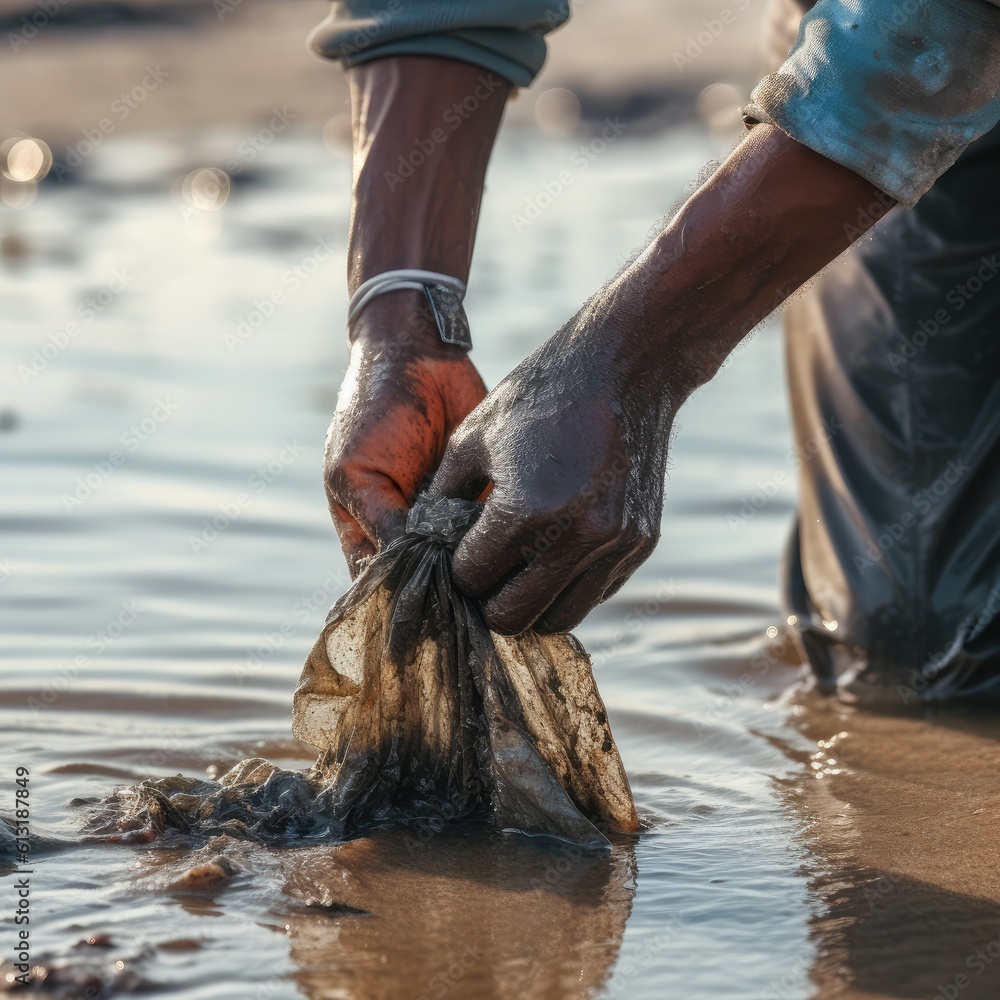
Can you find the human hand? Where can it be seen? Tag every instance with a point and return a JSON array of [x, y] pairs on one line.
[[575, 439], [575, 448], [403, 395]]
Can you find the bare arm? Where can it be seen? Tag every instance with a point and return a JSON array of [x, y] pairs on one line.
[[423, 132], [575, 439]]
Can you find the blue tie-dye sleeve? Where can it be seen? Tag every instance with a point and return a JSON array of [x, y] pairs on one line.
[[892, 89]]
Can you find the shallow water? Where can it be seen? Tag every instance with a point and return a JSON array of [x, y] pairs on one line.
[[140, 638]]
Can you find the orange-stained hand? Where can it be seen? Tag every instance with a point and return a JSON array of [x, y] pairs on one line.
[[403, 395], [406, 391]]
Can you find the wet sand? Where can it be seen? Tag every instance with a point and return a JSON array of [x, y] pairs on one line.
[[901, 814], [228, 66]]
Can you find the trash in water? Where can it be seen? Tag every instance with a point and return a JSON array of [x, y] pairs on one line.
[[420, 713], [418, 708]]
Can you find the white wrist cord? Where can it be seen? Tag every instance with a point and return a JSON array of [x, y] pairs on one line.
[[390, 281]]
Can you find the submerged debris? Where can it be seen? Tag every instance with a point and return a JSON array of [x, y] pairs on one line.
[[255, 800], [420, 712], [418, 706]]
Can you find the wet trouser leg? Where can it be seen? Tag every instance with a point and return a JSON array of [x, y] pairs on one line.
[[893, 568]]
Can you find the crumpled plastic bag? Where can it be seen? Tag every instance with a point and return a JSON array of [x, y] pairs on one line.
[[420, 711], [254, 800]]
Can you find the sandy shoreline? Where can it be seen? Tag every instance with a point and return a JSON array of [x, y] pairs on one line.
[[232, 65]]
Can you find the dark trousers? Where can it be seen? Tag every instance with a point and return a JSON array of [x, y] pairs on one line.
[[893, 569]]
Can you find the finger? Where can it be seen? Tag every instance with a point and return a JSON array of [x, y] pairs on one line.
[[578, 599], [523, 598], [596, 585], [461, 473], [498, 543], [616, 586], [357, 546], [367, 506]]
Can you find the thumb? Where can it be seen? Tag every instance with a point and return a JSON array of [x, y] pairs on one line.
[[462, 472]]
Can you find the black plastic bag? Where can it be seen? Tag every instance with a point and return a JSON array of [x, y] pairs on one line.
[[421, 711]]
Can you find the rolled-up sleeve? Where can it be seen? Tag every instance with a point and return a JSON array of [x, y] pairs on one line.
[[892, 89], [505, 37]]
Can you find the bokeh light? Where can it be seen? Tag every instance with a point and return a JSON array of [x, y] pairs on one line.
[[557, 111], [206, 189], [17, 194], [719, 106], [24, 159]]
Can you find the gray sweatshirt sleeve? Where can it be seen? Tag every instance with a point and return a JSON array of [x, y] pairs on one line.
[[892, 89], [505, 37]]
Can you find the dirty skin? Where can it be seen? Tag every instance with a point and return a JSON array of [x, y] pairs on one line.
[[418, 712]]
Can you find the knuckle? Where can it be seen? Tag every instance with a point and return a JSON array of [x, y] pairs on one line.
[[504, 620], [601, 528]]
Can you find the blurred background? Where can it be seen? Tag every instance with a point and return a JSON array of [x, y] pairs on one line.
[[227, 63], [174, 196]]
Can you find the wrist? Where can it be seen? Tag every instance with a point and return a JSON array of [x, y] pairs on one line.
[[768, 220], [622, 333], [400, 324]]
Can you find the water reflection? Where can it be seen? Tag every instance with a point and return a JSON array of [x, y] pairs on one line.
[[905, 859], [464, 912]]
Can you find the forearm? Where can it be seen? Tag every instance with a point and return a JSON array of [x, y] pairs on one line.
[[423, 132], [772, 216]]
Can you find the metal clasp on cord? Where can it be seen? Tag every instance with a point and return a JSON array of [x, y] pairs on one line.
[[444, 296]]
